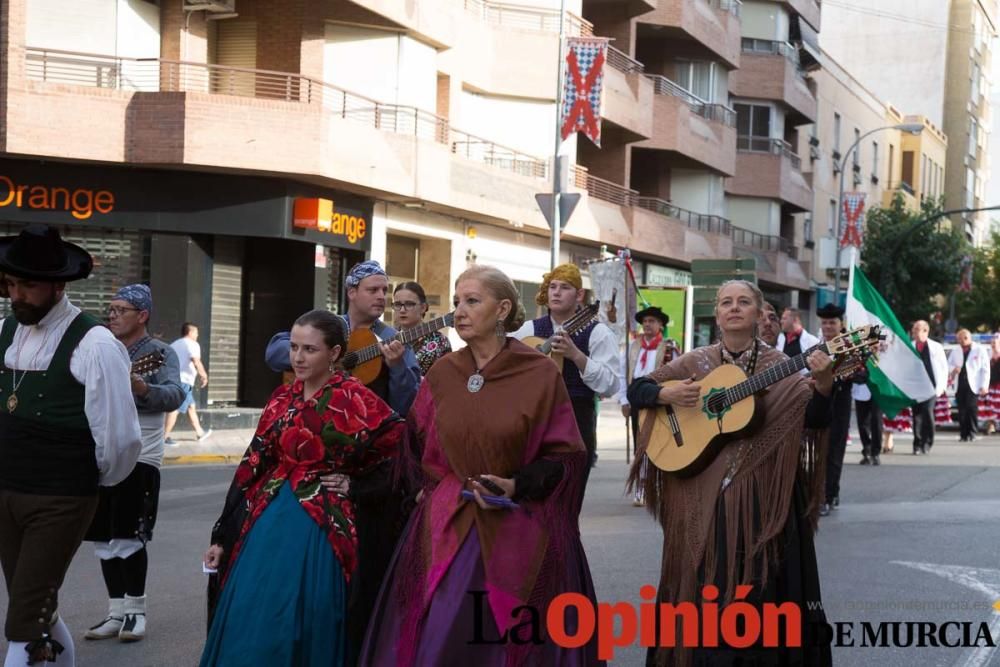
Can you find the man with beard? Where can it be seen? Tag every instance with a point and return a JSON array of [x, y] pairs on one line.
[[380, 514], [126, 512], [68, 425], [769, 326]]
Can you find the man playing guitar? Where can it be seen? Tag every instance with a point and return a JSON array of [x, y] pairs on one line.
[[592, 351]]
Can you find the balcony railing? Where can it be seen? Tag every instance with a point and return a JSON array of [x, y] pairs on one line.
[[751, 239], [528, 18], [775, 48], [904, 186], [157, 75], [750, 144], [732, 6], [607, 190], [718, 113], [703, 222], [622, 62]]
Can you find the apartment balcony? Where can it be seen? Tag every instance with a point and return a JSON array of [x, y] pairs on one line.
[[769, 168], [809, 10], [903, 189], [628, 9], [700, 132], [777, 258], [433, 20], [713, 24], [769, 70], [628, 96]]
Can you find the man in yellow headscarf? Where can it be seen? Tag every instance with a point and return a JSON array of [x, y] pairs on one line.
[[591, 353]]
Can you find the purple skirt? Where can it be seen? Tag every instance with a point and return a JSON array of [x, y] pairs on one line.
[[453, 616]]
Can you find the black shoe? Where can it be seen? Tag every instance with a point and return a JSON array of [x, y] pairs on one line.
[[824, 509], [875, 461], [865, 461]]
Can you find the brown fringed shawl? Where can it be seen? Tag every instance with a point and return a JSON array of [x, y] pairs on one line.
[[763, 465]]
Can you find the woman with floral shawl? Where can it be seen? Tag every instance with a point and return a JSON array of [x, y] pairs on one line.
[[466, 570], [748, 517], [286, 544]]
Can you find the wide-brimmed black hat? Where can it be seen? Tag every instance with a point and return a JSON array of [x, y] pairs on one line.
[[652, 311], [830, 311], [39, 253]]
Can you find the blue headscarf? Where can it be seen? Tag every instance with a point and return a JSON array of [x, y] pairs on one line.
[[363, 270], [138, 295]]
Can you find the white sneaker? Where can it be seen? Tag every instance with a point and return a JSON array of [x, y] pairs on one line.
[[110, 626], [204, 436], [134, 627]]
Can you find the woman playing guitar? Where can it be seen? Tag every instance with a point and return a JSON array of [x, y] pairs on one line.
[[745, 517]]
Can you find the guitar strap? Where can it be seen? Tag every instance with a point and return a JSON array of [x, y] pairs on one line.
[[727, 357], [134, 348]]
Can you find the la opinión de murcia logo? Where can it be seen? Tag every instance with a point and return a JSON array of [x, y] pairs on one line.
[[572, 621]]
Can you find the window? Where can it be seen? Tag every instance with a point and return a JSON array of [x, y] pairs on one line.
[[973, 136], [833, 218], [875, 160], [698, 78], [753, 127], [976, 76], [857, 150], [970, 188], [807, 227], [892, 162], [836, 132], [924, 176]]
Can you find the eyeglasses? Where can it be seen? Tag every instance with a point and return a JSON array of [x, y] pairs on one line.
[[404, 305], [118, 311]]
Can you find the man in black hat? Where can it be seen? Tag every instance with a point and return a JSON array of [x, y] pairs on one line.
[[68, 425], [650, 351], [831, 325]]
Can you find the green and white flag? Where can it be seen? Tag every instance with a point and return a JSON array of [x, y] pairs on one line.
[[899, 379]]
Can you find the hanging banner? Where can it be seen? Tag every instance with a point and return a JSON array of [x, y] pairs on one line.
[[965, 281], [582, 83], [854, 219], [608, 279]]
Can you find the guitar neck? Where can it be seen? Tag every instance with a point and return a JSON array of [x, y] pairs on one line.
[[580, 319], [765, 379], [405, 337]]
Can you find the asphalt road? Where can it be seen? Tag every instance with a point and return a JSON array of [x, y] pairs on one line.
[[915, 540]]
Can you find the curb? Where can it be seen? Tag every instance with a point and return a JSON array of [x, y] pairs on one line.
[[194, 459]]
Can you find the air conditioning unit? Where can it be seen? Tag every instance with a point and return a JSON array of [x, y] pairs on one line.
[[213, 6], [814, 153]]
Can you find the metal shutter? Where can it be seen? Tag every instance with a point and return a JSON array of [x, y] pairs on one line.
[[227, 295], [333, 292], [120, 258], [235, 46]]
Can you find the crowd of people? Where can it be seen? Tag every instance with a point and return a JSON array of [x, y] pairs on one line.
[[364, 515]]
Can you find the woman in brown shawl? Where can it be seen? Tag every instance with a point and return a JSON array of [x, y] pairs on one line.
[[467, 574], [747, 518]]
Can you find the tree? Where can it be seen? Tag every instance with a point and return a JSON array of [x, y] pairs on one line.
[[926, 264], [980, 308]]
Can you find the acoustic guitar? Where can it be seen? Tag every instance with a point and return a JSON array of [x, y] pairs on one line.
[[364, 348], [580, 320], [685, 440], [148, 364]]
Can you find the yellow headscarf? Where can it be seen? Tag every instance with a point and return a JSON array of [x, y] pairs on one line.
[[568, 273]]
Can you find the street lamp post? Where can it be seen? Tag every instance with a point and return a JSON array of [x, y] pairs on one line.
[[912, 128]]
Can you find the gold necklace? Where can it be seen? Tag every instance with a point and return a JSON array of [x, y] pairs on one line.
[[15, 383]]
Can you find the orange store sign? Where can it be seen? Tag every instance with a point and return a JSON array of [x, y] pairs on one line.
[[81, 203], [322, 215]]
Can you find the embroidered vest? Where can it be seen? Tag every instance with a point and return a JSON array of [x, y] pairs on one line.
[[571, 374]]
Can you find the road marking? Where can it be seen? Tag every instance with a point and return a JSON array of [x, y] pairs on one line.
[[980, 579]]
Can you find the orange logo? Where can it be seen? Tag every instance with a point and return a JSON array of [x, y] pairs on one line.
[[322, 215], [80, 203]]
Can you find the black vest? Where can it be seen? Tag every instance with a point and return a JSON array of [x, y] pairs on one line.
[[925, 356], [571, 374], [46, 446]]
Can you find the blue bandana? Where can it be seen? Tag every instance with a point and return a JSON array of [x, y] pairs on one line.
[[138, 295], [363, 270]]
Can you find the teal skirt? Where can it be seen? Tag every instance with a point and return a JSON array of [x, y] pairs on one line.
[[284, 602]]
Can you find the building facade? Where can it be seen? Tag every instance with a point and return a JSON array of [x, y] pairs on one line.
[[932, 58], [240, 155]]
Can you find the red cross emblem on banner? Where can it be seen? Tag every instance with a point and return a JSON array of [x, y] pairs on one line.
[[854, 213], [582, 84]]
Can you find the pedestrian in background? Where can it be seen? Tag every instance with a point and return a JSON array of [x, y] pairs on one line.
[[989, 406], [935, 363], [970, 369], [189, 357], [409, 303]]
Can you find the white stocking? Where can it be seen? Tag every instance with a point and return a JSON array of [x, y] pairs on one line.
[[61, 634], [16, 655]]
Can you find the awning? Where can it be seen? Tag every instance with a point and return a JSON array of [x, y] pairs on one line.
[[805, 37]]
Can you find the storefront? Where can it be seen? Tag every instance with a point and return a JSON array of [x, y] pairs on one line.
[[241, 256]]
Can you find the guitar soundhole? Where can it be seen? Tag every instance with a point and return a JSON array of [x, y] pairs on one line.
[[717, 403]]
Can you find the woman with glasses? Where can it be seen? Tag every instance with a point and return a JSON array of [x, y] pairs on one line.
[[410, 305]]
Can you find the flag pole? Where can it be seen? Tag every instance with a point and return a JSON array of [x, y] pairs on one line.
[[557, 176]]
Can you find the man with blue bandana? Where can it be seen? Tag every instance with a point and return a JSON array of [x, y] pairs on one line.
[[379, 508], [126, 512]]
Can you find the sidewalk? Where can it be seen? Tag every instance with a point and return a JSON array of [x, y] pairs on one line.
[[228, 445]]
